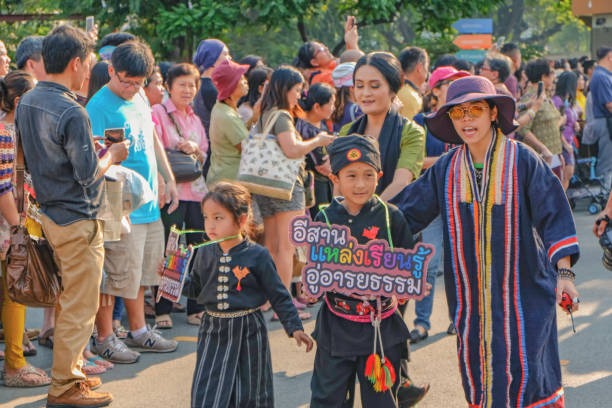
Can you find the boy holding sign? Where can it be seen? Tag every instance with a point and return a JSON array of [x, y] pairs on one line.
[[349, 328]]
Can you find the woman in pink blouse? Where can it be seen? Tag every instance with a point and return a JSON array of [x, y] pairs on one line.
[[179, 128]]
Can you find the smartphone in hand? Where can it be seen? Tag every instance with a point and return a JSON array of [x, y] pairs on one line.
[[540, 88], [114, 135]]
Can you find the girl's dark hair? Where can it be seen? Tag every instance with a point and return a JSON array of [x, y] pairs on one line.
[[183, 69], [255, 78], [251, 61], [566, 87], [536, 69], [386, 64], [342, 99], [283, 79], [98, 78], [320, 93], [237, 200], [12, 86], [305, 54]]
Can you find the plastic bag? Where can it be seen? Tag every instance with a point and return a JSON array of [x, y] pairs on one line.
[[136, 190]]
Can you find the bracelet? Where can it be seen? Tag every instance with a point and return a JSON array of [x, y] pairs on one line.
[[531, 113], [565, 273], [604, 218]]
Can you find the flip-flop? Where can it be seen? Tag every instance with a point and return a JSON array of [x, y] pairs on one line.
[[194, 319], [101, 362], [28, 348], [18, 378], [45, 339], [90, 368], [178, 308], [163, 322]]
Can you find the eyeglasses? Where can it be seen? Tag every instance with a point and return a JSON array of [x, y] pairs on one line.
[[127, 84], [458, 112]]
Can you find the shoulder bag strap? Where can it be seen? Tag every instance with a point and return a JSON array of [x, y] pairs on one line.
[[19, 172], [270, 123], [176, 126]]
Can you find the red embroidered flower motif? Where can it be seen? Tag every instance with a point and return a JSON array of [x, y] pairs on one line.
[[370, 233], [240, 273]]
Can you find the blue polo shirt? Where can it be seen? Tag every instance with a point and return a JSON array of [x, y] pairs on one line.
[[601, 88]]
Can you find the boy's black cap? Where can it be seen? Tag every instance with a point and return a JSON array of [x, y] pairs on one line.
[[353, 148]]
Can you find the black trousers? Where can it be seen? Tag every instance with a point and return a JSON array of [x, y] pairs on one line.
[[188, 215], [333, 381]]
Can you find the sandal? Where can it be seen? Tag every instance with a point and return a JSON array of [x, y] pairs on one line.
[[101, 362], [304, 315], [90, 368], [31, 333], [120, 331], [28, 348], [178, 308], [46, 339], [27, 377], [194, 319], [163, 322]]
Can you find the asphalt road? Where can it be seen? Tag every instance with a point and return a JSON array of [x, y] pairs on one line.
[[164, 380]]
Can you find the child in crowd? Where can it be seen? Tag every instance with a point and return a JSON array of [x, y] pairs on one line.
[[233, 277], [343, 341], [318, 106]]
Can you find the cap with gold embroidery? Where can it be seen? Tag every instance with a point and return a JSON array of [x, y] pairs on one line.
[[353, 148]]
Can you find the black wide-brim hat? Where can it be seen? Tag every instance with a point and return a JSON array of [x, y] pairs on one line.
[[469, 89]]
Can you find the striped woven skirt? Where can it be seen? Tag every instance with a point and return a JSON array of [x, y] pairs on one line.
[[233, 367]]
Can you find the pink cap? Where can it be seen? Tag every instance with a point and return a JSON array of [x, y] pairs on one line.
[[226, 76], [444, 73]]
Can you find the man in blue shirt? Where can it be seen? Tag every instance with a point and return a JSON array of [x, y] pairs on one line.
[[68, 180], [131, 264], [601, 84]]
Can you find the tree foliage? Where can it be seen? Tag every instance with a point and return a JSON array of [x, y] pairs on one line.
[[276, 28]]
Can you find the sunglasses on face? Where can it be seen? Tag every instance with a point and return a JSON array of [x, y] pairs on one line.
[[458, 112]]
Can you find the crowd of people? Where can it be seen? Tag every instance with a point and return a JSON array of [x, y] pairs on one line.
[[450, 150]]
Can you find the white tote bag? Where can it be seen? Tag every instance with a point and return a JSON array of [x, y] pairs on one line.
[[264, 167]]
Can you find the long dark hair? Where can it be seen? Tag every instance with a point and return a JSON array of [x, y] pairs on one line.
[[14, 85], [237, 200], [255, 78], [342, 99], [320, 93], [98, 78], [283, 79], [386, 63], [566, 87]]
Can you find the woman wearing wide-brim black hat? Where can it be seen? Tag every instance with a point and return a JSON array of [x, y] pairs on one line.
[[509, 244]]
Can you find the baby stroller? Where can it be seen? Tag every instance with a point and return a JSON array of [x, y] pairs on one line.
[[585, 185]]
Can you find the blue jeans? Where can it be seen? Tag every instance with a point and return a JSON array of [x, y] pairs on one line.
[[433, 235]]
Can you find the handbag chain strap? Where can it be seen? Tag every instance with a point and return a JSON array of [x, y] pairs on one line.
[[19, 173], [176, 126]]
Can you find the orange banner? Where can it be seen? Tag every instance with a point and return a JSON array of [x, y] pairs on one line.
[[474, 41]]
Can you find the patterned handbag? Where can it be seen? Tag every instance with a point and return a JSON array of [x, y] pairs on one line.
[[264, 167]]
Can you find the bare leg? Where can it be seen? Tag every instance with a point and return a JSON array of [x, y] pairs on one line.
[[104, 317], [135, 310]]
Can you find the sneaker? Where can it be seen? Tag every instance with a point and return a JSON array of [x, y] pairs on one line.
[[151, 342], [114, 350], [80, 395]]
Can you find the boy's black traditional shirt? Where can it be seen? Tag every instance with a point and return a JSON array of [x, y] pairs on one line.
[[343, 337]]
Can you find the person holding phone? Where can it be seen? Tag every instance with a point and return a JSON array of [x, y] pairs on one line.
[[542, 132]]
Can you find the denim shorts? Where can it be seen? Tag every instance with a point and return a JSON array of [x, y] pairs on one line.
[[269, 206]]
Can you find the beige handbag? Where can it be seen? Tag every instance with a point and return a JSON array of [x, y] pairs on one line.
[[264, 167]]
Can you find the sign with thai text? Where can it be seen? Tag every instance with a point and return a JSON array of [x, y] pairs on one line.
[[337, 262]]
